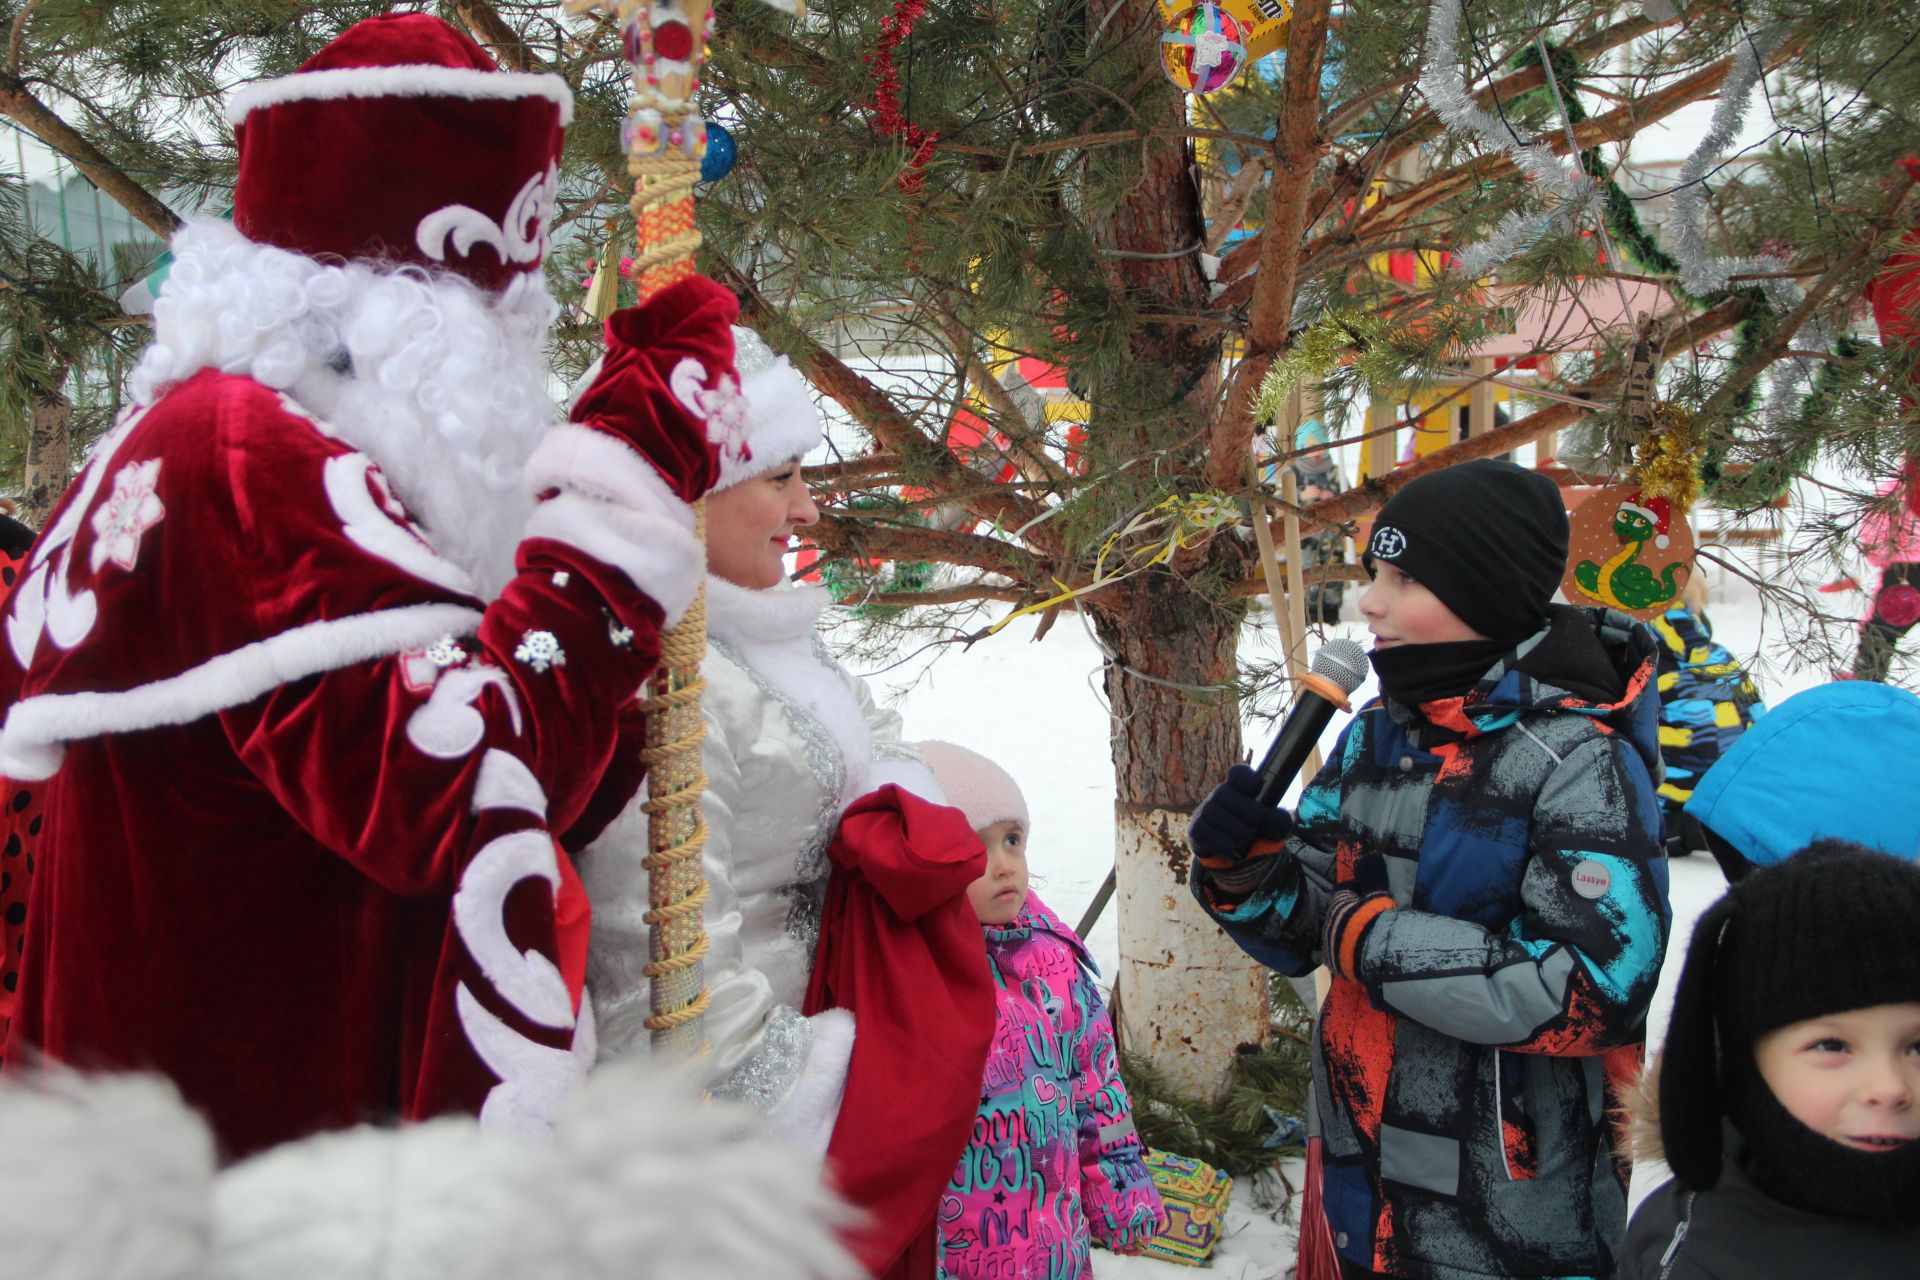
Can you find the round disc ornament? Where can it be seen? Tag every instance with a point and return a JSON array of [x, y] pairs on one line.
[[1204, 48], [1629, 552]]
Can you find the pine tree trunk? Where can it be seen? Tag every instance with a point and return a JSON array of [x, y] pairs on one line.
[[1188, 998], [49, 457]]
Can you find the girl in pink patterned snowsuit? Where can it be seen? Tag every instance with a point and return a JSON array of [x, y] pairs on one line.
[[1054, 1163]]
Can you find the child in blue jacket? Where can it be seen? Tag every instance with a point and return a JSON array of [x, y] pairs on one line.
[[1478, 864]]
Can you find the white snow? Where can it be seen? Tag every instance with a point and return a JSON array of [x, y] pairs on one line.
[[1037, 709]]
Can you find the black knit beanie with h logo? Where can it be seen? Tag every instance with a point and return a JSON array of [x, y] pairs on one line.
[[1487, 537]]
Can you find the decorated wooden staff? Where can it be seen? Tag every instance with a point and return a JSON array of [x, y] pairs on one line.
[[665, 140]]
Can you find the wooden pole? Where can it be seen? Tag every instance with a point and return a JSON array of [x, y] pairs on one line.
[[1480, 398], [1296, 596], [1286, 597], [1381, 416]]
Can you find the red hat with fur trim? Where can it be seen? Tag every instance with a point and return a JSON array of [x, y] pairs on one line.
[[400, 141]]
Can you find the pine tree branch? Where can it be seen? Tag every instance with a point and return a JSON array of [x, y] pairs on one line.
[[845, 534], [1345, 115], [1088, 141], [1396, 210], [1778, 343], [1687, 331], [1298, 146], [893, 430], [1427, 125], [18, 104], [499, 39], [1026, 453], [831, 474]]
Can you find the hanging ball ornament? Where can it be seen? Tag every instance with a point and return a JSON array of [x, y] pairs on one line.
[[1204, 48], [1898, 605], [721, 150]]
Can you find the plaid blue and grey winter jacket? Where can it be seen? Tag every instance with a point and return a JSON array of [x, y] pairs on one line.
[[1463, 1077]]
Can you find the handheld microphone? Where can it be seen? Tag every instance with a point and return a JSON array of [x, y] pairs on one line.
[[1338, 669]]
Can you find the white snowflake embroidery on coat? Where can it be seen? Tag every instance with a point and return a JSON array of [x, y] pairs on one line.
[[540, 650], [129, 511]]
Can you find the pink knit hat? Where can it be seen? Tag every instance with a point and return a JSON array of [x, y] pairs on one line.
[[975, 785]]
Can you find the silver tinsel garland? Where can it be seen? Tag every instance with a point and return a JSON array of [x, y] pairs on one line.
[[1444, 85], [1702, 272]]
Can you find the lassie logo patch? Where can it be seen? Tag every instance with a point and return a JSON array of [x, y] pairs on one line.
[[1591, 879]]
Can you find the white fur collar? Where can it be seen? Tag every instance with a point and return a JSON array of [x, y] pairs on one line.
[[774, 632], [743, 616]]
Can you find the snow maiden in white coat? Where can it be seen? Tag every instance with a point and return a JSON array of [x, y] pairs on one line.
[[792, 740]]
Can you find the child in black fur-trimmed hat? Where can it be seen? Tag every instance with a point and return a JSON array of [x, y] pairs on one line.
[[1789, 1089]]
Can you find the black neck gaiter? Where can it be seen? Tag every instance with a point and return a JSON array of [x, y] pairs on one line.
[[1411, 674], [1808, 1170]]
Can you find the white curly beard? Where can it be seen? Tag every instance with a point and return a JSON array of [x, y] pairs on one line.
[[440, 384]]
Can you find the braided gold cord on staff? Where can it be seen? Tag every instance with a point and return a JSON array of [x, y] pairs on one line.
[[663, 210], [677, 834], [662, 207]]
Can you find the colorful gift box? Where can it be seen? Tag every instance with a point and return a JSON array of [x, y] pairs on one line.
[[1195, 1195]]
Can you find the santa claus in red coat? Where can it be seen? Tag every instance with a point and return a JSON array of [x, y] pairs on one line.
[[335, 642]]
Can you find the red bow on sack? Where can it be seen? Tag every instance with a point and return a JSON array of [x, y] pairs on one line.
[[666, 385], [901, 947]]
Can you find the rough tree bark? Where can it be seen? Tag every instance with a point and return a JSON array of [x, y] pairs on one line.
[[1188, 998], [49, 456]]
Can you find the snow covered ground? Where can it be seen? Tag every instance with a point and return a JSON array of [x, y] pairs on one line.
[[1037, 708]]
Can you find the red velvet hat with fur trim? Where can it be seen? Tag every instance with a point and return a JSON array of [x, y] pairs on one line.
[[401, 142]]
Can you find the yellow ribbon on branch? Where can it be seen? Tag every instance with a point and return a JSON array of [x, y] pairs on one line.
[[1171, 525]]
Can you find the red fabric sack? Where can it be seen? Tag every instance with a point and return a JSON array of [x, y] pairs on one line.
[[901, 948]]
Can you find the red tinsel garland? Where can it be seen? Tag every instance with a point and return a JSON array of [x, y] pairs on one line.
[[894, 28]]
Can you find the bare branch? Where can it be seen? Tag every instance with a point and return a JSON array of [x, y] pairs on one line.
[[1257, 585], [17, 103], [1026, 453], [19, 30], [841, 534], [962, 593], [1252, 169], [501, 40]]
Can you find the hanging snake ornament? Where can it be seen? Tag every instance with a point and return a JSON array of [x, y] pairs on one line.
[[664, 139]]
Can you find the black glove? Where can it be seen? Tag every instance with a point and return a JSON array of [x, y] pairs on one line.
[[1233, 835], [1356, 903]]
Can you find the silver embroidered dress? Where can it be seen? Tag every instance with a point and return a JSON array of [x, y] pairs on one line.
[[792, 739]]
